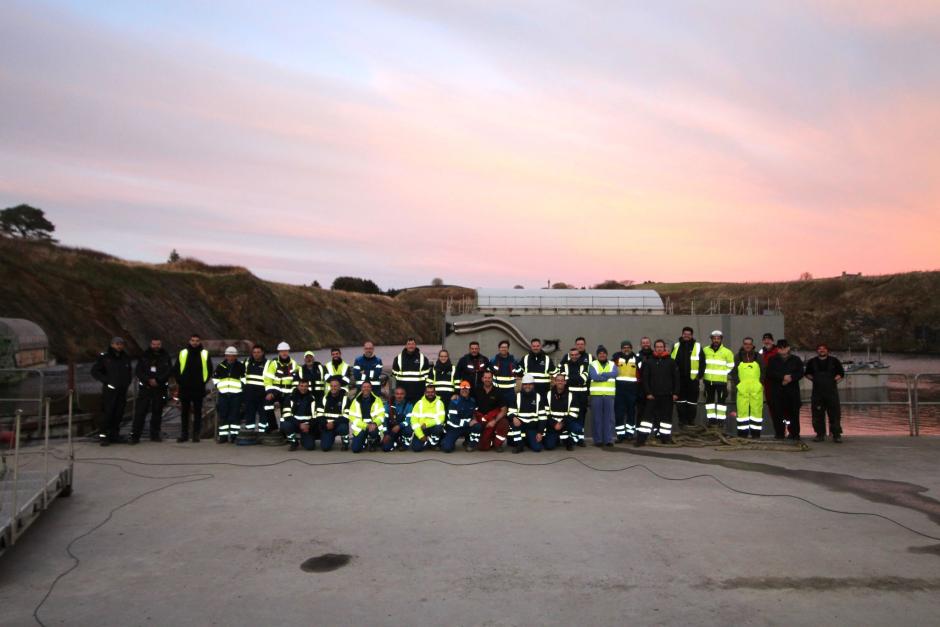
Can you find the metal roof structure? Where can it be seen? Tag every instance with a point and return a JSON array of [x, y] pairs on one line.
[[23, 334], [554, 301]]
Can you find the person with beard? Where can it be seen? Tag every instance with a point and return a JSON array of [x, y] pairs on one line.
[[527, 417], [191, 372], [410, 371], [646, 351], [332, 415], [575, 372], [442, 375], [687, 353], [767, 352], [313, 371], [719, 362], [748, 376], [602, 376], [153, 380], [491, 413], [398, 431], [562, 415], [301, 428], [366, 419], [625, 361], [785, 371], [336, 367], [113, 370], [825, 371], [661, 384], [470, 368], [253, 392], [427, 420], [539, 365]]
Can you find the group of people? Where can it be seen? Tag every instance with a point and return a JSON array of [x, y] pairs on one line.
[[487, 403]]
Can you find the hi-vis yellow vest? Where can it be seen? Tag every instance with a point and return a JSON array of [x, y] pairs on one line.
[[603, 388], [204, 354], [627, 372], [693, 365]]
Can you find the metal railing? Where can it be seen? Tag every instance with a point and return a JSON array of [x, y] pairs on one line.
[[848, 386], [917, 402]]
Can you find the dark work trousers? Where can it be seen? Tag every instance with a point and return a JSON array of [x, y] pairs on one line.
[[625, 410], [716, 408], [228, 412], [291, 430], [253, 410], [190, 404], [827, 402], [149, 400], [687, 405], [113, 403], [787, 418], [657, 418]]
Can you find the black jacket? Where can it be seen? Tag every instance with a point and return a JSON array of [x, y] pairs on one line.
[[778, 367], [192, 380], [471, 369], [660, 376], [303, 405], [684, 358], [154, 365], [113, 370], [823, 373]]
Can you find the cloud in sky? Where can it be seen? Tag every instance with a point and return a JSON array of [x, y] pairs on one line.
[[488, 143]]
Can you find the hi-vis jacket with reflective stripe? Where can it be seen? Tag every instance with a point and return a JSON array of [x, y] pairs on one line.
[[254, 377], [576, 373], [539, 366], [529, 407], [204, 357], [358, 422], [460, 412], [719, 362], [280, 375], [626, 367], [603, 378], [333, 408], [315, 374], [504, 371], [692, 360], [411, 368], [228, 377], [303, 406], [443, 376], [561, 406], [337, 370], [426, 414]]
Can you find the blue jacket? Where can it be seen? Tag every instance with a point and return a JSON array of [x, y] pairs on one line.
[[367, 369], [402, 414], [460, 411]]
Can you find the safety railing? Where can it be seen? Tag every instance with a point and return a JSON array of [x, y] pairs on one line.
[[918, 402], [858, 383]]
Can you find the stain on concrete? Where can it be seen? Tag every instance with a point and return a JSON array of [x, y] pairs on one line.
[[930, 549], [326, 562], [825, 584], [898, 493]]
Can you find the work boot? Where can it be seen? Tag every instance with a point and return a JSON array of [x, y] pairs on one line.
[[569, 446], [222, 440], [820, 438], [135, 439], [183, 438], [837, 439], [345, 446], [104, 442], [518, 449], [196, 439], [639, 442], [582, 443], [156, 437], [498, 449], [372, 446], [293, 447], [609, 444]]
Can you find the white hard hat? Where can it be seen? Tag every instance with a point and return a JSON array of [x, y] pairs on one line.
[[528, 379], [718, 333], [231, 350], [283, 346]]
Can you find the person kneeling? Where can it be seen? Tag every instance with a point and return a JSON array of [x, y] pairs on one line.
[[398, 431], [563, 424], [427, 420], [299, 428], [332, 416], [366, 419], [527, 417], [462, 422]]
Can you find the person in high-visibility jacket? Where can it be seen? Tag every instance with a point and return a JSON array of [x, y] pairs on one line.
[[301, 427], [332, 415], [719, 362], [336, 367], [537, 363], [228, 377], [443, 375], [527, 417], [368, 367], [503, 366], [562, 415], [410, 370], [460, 420], [314, 372], [280, 375], [191, 372], [427, 420], [366, 419], [253, 391], [748, 376], [687, 353], [398, 431], [575, 372], [603, 377], [625, 361]]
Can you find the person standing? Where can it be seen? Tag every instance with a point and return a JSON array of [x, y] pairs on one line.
[[336, 367], [504, 366], [539, 365], [825, 371], [333, 416], [460, 421], [443, 375], [314, 372], [368, 366], [662, 381], [719, 362], [767, 352], [470, 367], [646, 352], [575, 372], [153, 380], [603, 378], [625, 361], [748, 376], [191, 372], [491, 413], [562, 415], [410, 370], [253, 391], [228, 377], [113, 370], [687, 353], [584, 357], [785, 371], [280, 376]]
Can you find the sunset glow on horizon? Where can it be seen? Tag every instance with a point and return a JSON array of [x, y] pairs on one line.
[[489, 144]]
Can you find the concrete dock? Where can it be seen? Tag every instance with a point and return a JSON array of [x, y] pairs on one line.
[[544, 540]]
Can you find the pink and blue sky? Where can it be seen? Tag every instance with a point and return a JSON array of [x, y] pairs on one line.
[[487, 143]]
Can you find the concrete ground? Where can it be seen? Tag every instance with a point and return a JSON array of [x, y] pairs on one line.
[[486, 543]]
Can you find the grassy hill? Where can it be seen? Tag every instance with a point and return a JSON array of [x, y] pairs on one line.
[[81, 298]]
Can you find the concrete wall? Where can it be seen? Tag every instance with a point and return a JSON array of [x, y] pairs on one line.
[[610, 330]]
